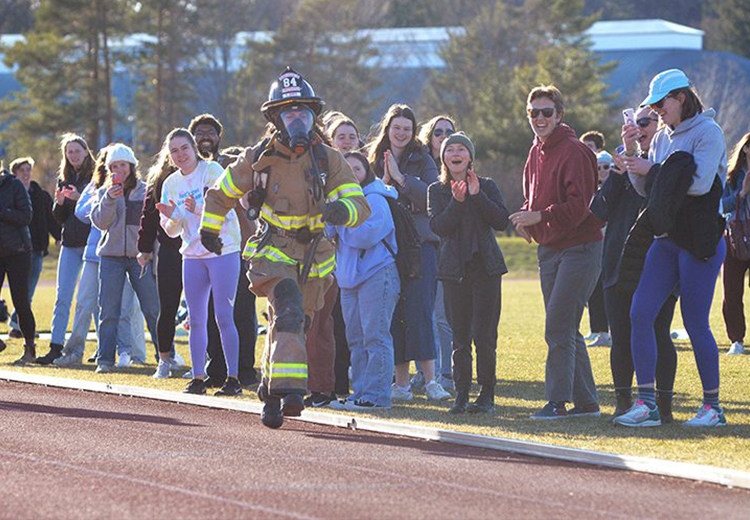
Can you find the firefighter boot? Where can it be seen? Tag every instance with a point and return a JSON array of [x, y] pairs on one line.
[[271, 415], [292, 405]]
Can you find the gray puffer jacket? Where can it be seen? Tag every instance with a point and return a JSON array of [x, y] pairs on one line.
[[118, 219]]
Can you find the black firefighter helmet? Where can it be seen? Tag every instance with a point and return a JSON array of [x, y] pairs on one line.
[[290, 88]]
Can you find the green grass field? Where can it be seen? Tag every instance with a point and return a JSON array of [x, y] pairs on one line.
[[521, 356]]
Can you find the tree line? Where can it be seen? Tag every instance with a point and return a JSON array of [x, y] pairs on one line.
[[71, 69]]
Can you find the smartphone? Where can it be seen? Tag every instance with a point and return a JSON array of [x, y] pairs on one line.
[[628, 116]]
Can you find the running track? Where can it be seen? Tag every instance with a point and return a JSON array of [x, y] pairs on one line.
[[73, 454]]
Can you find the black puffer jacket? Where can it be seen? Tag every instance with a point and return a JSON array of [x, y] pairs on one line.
[[74, 232], [43, 223], [465, 226], [15, 216]]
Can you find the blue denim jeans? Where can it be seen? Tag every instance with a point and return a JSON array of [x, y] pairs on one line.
[[368, 310], [129, 338], [37, 259], [87, 306], [68, 268], [112, 273]]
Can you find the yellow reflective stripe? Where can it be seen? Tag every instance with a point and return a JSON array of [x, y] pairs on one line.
[[352, 212], [228, 187], [345, 190], [292, 222], [289, 370], [322, 269], [212, 221], [273, 254]]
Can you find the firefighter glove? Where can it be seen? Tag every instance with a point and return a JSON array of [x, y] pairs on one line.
[[211, 241], [336, 213]]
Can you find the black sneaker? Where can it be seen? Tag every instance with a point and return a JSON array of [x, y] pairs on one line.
[[551, 411], [15, 334], [586, 410], [195, 386], [212, 382], [319, 399], [2, 345], [231, 387]]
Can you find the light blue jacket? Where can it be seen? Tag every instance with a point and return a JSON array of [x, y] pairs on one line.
[[702, 137], [360, 251], [83, 213]]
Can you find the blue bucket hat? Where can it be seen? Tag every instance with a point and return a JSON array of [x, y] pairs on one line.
[[664, 83]]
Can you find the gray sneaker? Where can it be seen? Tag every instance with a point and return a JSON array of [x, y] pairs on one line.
[[69, 360], [399, 394], [163, 370], [103, 369], [435, 392], [446, 381]]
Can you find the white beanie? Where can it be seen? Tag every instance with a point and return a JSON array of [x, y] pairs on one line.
[[120, 152]]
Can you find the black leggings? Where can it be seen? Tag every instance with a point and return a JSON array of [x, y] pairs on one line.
[[169, 285], [18, 269], [620, 356]]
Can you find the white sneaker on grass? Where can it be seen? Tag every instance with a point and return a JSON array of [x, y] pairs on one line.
[[435, 392], [707, 416], [163, 370], [736, 348], [639, 416], [401, 394], [124, 361]]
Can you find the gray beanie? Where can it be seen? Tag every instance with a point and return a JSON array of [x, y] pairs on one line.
[[457, 138]]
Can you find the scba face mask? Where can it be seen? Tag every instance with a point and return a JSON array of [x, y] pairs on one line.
[[298, 124]]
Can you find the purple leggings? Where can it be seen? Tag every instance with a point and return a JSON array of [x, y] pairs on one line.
[[201, 277], [669, 266]]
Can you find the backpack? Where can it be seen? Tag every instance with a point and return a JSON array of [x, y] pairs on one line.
[[409, 256]]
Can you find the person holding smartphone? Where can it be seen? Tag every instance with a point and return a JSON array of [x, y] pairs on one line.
[[76, 169], [116, 212]]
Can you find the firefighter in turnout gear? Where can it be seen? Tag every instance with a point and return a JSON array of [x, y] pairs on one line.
[[295, 184]]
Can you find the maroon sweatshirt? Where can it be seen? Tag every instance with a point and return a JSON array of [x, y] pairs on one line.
[[559, 180]]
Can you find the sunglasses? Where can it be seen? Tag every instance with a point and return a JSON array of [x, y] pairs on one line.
[[645, 121], [605, 166], [439, 131], [660, 103], [546, 112]]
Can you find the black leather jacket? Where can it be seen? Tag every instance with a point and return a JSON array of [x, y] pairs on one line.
[[453, 222], [15, 216]]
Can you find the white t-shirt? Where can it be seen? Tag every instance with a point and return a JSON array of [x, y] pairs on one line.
[[178, 187]]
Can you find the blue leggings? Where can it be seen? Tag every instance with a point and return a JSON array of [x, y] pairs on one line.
[[667, 267], [200, 278]]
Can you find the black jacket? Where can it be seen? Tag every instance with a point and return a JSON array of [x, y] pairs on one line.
[[693, 222], [15, 216], [617, 203], [74, 232], [466, 226], [43, 223]]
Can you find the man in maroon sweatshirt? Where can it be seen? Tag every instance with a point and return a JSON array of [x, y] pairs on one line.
[[560, 178]]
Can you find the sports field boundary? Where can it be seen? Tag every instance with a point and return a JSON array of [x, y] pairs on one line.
[[684, 470]]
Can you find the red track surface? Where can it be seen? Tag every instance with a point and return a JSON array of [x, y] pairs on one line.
[[70, 454]]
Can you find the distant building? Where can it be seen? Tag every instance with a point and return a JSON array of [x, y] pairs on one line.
[[641, 48]]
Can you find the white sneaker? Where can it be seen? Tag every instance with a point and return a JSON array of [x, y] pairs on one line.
[[163, 370], [435, 392], [736, 348], [707, 416], [103, 369], [178, 361], [639, 415], [603, 339], [124, 361], [68, 360], [591, 337], [401, 394]]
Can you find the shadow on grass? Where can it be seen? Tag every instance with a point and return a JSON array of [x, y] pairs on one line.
[[84, 413]]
